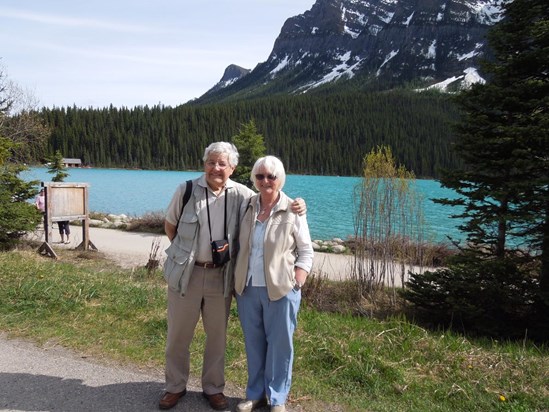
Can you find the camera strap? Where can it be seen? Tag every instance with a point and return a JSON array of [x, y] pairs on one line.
[[225, 217]]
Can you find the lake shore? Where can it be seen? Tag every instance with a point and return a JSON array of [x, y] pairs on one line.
[[330, 199]]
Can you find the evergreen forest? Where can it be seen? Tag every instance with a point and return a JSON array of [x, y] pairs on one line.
[[324, 134]]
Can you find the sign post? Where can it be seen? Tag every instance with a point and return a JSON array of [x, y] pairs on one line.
[[66, 201]]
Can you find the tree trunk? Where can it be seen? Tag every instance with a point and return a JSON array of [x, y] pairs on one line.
[[544, 275], [542, 306], [502, 229]]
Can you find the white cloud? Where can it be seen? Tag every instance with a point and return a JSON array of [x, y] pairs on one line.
[[67, 21]]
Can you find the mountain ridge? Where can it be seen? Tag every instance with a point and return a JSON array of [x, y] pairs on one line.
[[378, 43]]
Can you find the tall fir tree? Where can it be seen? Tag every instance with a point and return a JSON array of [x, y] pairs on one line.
[[503, 139], [251, 146]]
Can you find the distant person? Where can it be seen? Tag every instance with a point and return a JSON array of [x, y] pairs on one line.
[[273, 262], [40, 201], [200, 282], [64, 230]]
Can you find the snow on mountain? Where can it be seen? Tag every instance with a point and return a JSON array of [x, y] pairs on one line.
[[470, 76], [390, 42]]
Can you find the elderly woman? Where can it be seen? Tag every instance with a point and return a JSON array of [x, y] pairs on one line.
[[274, 260], [202, 212]]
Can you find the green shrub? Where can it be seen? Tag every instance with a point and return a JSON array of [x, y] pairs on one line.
[[17, 216], [494, 297]]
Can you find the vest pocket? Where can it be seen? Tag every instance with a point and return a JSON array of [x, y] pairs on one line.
[[176, 263], [187, 226]]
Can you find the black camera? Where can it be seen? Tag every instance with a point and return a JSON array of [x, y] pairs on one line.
[[220, 252]]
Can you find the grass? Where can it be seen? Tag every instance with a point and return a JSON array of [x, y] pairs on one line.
[[343, 362]]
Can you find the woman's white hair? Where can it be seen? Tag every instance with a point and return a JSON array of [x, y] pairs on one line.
[[223, 148], [272, 165]]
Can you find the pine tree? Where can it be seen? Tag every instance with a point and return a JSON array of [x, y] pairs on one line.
[[503, 139], [17, 216], [521, 76], [19, 136], [57, 167], [251, 146]]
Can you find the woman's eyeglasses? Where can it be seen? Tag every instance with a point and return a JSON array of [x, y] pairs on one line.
[[260, 177]]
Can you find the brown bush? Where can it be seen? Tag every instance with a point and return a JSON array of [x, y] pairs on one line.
[[152, 222]]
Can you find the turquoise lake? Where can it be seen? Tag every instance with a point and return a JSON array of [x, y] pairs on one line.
[[330, 208]]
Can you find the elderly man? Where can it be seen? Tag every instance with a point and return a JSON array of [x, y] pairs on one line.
[[200, 281]]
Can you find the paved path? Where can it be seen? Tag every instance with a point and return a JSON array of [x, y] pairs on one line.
[[56, 379]]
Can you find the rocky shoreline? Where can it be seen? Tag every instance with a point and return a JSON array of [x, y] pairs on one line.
[[110, 221]]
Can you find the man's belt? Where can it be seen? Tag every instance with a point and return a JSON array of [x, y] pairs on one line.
[[207, 265]]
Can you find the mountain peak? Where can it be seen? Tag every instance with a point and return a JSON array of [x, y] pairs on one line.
[[232, 74], [380, 42]]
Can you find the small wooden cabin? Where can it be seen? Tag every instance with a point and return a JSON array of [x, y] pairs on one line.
[[72, 162]]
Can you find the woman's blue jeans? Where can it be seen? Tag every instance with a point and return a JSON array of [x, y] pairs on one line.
[[268, 328]]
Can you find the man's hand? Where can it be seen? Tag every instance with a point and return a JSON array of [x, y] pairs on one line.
[[299, 206], [170, 230]]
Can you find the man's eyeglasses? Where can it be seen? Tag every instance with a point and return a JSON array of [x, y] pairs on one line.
[[220, 166], [260, 177]]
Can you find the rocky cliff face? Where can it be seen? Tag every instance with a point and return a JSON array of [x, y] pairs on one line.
[[383, 41]]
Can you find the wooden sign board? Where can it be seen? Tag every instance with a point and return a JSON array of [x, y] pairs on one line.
[[66, 202]]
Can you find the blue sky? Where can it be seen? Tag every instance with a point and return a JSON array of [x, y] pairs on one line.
[[134, 52]]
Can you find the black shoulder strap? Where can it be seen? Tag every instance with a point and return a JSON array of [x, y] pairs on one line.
[[208, 209], [186, 197]]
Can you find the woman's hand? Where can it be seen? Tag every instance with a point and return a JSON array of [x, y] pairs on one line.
[[300, 276]]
